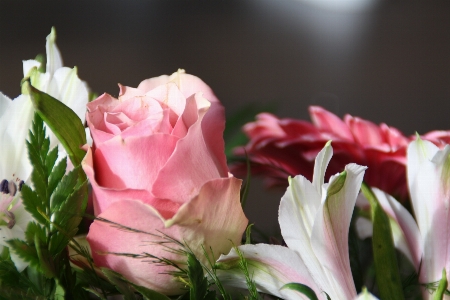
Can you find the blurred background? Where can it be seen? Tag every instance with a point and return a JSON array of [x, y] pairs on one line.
[[385, 61]]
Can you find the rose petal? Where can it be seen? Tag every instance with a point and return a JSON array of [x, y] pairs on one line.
[[214, 218], [187, 83], [104, 196], [191, 164], [195, 224], [106, 239]]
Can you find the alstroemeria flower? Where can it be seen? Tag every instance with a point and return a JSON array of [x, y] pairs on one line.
[[427, 243], [13, 219], [314, 219], [16, 115]]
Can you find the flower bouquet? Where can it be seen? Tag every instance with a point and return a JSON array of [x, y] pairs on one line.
[[131, 197]]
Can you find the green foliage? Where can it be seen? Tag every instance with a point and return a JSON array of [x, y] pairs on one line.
[[64, 123], [128, 289], [120, 283], [150, 294], [243, 266], [441, 289], [14, 284], [386, 267], [198, 284], [57, 203], [246, 188], [304, 289], [248, 234]]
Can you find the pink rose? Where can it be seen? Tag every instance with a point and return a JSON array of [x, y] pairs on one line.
[[158, 165], [279, 148]]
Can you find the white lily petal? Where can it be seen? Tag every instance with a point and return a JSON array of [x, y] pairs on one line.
[[330, 233], [28, 65], [271, 267], [14, 126], [298, 209], [423, 181], [69, 89], [5, 103], [54, 60], [320, 166], [429, 185]]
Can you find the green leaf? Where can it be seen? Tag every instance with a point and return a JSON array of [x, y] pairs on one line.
[[337, 184], [248, 233], [386, 267], [38, 146], [198, 282], [43, 60], [95, 292], [64, 188], [33, 204], [64, 123], [15, 284], [56, 175], [150, 294], [67, 217], [120, 283], [33, 230], [60, 293], [46, 260], [51, 158], [25, 251], [243, 266], [304, 289], [246, 187], [442, 287]]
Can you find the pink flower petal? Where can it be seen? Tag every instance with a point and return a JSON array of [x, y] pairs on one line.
[[190, 166], [214, 218], [106, 239], [119, 162], [104, 196], [328, 122], [365, 132], [213, 221], [188, 84]]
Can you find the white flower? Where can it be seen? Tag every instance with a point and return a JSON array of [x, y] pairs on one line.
[[424, 240], [13, 219], [16, 116], [314, 219]]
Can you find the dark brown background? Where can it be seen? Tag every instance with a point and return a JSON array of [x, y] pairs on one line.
[[388, 64]]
